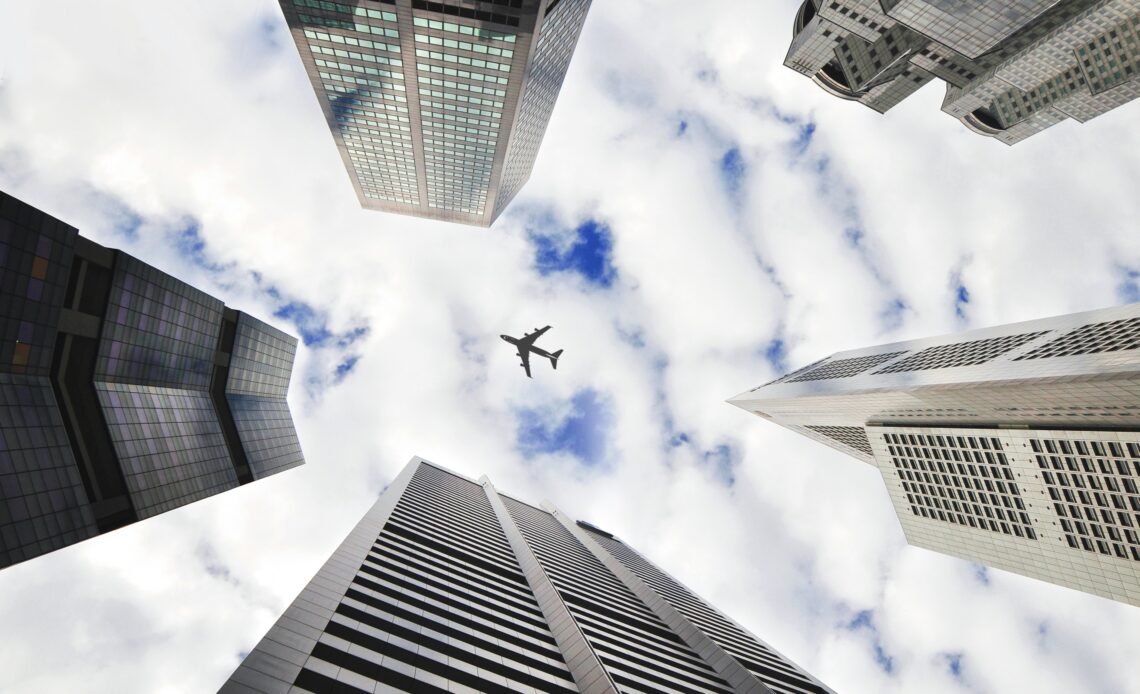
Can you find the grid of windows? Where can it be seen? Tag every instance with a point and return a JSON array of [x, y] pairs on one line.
[[960, 354], [157, 330], [465, 61], [256, 387], [464, 30], [1012, 67], [845, 368], [1110, 336], [35, 260], [965, 480], [459, 146], [1113, 58], [468, 12], [169, 444], [1095, 489], [852, 437], [43, 505], [368, 100], [548, 70]]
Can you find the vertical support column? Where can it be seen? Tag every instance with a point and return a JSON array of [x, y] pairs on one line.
[[274, 664], [585, 667], [728, 667]]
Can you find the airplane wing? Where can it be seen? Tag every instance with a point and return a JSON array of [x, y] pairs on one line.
[[524, 354], [529, 339]]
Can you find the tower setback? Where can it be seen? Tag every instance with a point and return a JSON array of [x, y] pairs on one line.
[[1012, 69], [1016, 446], [124, 393]]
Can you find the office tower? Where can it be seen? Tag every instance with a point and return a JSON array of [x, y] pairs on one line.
[[1016, 446], [1011, 69], [449, 585], [437, 108], [124, 393]]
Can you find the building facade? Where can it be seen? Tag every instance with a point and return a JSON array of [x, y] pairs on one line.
[[449, 585], [1017, 447], [437, 108], [1011, 69], [124, 392]]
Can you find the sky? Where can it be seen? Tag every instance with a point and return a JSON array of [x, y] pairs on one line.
[[700, 220]]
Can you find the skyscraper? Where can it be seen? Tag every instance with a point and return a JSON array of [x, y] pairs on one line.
[[1011, 69], [1016, 446], [124, 392], [448, 584], [437, 108]]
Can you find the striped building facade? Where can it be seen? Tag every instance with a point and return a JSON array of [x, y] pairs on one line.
[[447, 585]]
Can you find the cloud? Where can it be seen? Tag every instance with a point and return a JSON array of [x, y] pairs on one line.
[[672, 281]]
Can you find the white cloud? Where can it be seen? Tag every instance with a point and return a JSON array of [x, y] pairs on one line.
[[201, 111]]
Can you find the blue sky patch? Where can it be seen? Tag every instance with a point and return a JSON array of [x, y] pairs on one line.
[[865, 620], [589, 255], [344, 368], [733, 169], [893, 314], [1129, 288], [805, 136], [723, 460], [582, 433], [776, 354], [192, 247], [954, 664], [122, 219], [310, 323]]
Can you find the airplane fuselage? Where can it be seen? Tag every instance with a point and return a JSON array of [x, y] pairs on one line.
[[530, 348], [525, 347]]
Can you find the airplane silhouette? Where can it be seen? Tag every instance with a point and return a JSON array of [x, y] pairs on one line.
[[525, 345]]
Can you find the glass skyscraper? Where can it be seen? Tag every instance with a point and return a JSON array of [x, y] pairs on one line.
[[124, 392], [1011, 68], [448, 585], [438, 108], [1016, 446]]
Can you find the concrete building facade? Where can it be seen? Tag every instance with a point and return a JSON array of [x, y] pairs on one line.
[[1012, 69], [449, 585], [437, 108], [124, 393], [1017, 446]]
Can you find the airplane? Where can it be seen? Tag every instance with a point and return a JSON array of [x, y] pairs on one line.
[[525, 346]]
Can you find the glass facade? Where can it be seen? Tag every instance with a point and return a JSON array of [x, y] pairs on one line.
[[108, 411], [43, 505], [260, 366], [447, 585], [424, 99]]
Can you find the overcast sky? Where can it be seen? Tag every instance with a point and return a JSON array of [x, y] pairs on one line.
[[699, 220]]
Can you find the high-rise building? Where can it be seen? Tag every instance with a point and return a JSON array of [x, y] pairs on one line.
[[1016, 446], [124, 392], [448, 585], [437, 108], [1011, 69]]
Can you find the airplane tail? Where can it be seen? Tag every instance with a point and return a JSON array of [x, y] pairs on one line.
[[554, 358]]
